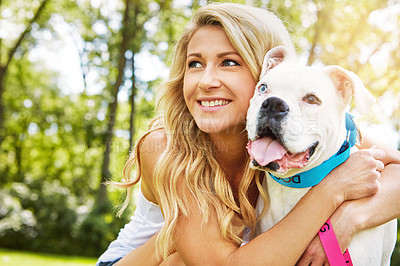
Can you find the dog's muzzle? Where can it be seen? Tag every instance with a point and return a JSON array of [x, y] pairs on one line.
[[267, 150], [274, 108], [271, 114]]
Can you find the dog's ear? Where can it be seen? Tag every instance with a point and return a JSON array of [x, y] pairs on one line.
[[274, 57], [349, 84]]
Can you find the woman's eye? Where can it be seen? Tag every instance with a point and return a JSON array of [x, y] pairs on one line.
[[194, 64], [263, 88], [312, 99], [230, 62]]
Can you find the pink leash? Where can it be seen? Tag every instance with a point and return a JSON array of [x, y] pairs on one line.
[[332, 248]]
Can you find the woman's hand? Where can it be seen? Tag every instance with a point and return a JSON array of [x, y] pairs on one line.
[[358, 176], [344, 227]]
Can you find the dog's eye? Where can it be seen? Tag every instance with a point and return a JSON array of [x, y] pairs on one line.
[[262, 88], [312, 99]]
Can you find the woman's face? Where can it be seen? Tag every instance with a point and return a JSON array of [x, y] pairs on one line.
[[218, 85]]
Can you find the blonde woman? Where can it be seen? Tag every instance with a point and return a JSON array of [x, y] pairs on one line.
[[193, 164]]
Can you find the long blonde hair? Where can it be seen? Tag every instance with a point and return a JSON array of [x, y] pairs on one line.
[[189, 155]]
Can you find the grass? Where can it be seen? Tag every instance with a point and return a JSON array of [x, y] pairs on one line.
[[19, 258]]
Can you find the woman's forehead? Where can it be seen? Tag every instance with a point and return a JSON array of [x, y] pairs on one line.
[[206, 37]]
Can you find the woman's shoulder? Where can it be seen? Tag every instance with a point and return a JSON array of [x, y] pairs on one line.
[[154, 144], [151, 149]]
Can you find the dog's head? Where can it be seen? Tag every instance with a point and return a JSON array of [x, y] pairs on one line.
[[296, 118]]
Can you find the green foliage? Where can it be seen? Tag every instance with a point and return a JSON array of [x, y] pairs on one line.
[[52, 212], [46, 216], [99, 228], [53, 141]]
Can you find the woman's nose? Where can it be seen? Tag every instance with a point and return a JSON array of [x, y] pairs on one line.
[[209, 79]]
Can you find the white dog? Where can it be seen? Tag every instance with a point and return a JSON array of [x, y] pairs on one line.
[[296, 122]]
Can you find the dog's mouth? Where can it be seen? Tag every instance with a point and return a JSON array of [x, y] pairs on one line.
[[268, 152]]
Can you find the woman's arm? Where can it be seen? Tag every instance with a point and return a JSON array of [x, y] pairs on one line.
[[201, 243], [150, 151], [384, 205], [143, 255], [354, 216], [392, 155]]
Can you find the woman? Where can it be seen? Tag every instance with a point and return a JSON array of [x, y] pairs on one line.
[[194, 165]]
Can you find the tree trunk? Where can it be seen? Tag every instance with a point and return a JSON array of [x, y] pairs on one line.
[[112, 108], [135, 48], [311, 57], [132, 103], [2, 73]]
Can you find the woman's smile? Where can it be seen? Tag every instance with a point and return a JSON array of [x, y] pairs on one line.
[[213, 103]]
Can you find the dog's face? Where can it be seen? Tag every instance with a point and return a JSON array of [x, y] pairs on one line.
[[296, 117]]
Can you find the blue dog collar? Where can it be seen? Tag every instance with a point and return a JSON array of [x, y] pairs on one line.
[[315, 175]]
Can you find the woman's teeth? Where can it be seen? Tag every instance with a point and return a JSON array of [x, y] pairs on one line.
[[214, 103]]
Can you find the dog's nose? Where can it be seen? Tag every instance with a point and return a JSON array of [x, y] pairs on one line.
[[275, 106]]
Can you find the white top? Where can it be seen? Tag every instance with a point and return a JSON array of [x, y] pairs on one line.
[[146, 221]]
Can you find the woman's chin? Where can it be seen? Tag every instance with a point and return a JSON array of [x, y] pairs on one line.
[[210, 128], [213, 127]]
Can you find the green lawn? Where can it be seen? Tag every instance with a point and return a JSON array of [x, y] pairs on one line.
[[22, 258]]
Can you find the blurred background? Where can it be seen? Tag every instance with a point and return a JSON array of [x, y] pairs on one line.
[[77, 83]]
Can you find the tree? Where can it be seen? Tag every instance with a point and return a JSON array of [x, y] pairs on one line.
[[134, 36], [105, 174], [4, 66]]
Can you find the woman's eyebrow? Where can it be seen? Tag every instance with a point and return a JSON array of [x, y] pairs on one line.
[[194, 54], [219, 55]]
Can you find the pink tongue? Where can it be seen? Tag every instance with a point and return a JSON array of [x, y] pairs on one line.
[[266, 150]]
